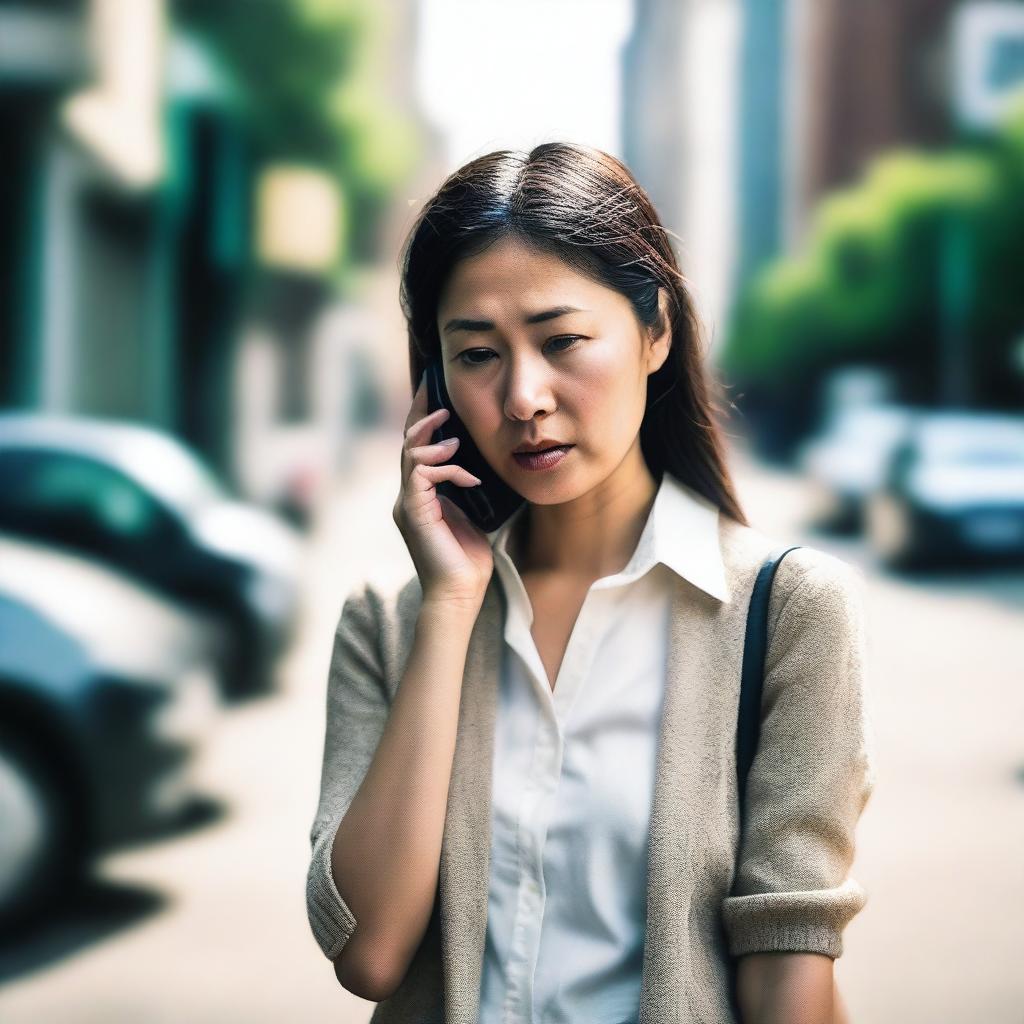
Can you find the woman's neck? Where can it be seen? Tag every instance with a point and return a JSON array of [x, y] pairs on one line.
[[590, 537]]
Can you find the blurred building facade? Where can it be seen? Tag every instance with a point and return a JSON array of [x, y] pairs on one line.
[[872, 76], [128, 226], [654, 104], [762, 149], [825, 86], [158, 266], [679, 135], [755, 109]]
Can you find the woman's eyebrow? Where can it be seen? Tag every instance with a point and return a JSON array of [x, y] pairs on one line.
[[462, 324]]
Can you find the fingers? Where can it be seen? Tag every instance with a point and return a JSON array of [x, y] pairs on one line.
[[420, 403], [423, 428], [429, 455], [418, 453], [415, 446], [430, 474], [420, 487], [419, 418]]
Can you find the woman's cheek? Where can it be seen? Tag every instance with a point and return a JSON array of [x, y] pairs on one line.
[[470, 405], [596, 383]]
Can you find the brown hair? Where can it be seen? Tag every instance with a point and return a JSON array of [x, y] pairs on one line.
[[583, 206]]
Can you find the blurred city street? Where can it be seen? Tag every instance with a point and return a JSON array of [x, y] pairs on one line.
[[228, 237], [209, 926]]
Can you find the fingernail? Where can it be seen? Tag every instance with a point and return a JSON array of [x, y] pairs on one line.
[[449, 440]]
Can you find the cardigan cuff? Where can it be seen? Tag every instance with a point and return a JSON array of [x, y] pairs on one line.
[[330, 917], [810, 921]]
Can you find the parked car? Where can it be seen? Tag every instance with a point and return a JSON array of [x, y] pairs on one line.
[[107, 692], [953, 492], [141, 501], [848, 461]]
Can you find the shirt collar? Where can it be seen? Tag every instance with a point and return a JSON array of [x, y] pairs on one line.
[[681, 532]]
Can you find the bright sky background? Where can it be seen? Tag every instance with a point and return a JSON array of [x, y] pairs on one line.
[[495, 74]]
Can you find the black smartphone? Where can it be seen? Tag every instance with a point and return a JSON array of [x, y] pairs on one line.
[[489, 503]]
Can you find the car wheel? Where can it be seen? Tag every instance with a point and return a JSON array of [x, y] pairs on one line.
[[36, 841], [890, 530]]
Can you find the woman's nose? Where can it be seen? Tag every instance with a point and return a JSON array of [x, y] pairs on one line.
[[527, 392]]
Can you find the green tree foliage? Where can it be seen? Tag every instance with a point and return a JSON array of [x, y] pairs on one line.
[[874, 280], [306, 72]]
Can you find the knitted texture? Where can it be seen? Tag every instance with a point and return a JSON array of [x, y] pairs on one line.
[[711, 896], [809, 780], [357, 709]]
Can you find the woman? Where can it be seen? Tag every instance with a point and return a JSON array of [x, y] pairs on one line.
[[528, 805]]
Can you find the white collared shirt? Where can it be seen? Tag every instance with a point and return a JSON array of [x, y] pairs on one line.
[[573, 779]]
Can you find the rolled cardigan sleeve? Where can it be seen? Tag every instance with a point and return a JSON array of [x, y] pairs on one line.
[[357, 710], [811, 776]]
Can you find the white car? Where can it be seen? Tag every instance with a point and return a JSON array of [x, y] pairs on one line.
[[142, 502], [953, 492], [107, 693], [848, 461]]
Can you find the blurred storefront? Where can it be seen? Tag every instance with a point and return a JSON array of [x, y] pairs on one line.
[[131, 220]]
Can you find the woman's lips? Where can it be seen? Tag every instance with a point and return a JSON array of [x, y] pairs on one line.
[[542, 460]]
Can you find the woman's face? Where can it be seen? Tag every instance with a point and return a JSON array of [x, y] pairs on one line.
[[578, 377]]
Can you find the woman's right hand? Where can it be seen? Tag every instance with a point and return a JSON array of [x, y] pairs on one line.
[[451, 554]]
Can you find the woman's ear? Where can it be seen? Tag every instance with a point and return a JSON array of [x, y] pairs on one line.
[[660, 334]]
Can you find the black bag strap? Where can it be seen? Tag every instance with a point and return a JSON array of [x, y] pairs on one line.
[[748, 725], [755, 644]]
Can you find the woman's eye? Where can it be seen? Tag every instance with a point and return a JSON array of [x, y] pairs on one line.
[[567, 337], [473, 351], [486, 352]]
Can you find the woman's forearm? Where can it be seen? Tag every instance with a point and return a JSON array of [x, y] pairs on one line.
[[386, 853], [786, 988]]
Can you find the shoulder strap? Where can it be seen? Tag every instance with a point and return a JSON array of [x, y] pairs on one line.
[[752, 676]]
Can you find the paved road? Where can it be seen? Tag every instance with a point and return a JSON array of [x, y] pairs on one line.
[[210, 926]]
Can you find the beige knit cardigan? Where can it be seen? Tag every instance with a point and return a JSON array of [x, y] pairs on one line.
[[708, 900]]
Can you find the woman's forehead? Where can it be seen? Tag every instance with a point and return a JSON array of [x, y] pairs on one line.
[[518, 284]]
